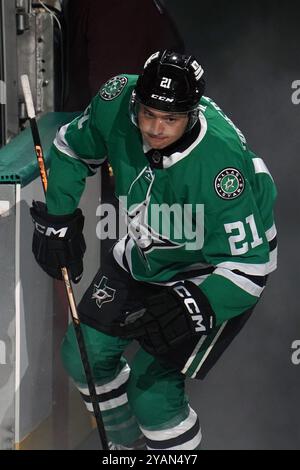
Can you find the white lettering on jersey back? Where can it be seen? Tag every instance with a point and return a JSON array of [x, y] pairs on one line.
[[237, 130]]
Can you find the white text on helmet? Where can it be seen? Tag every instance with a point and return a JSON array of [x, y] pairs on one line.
[[165, 82], [162, 98]]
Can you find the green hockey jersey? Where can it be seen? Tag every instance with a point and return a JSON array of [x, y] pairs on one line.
[[201, 209]]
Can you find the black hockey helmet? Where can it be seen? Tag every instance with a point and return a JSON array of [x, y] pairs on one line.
[[170, 82]]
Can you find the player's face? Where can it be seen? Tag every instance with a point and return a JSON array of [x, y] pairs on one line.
[[159, 128]]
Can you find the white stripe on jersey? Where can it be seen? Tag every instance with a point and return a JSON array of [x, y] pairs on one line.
[[271, 233], [247, 268], [62, 145], [260, 166], [241, 281], [129, 247], [272, 264], [177, 156]]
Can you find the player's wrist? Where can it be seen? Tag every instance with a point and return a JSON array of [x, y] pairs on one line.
[[195, 305], [56, 226], [58, 241]]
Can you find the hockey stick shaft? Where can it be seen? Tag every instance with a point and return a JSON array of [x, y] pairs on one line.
[[65, 274]]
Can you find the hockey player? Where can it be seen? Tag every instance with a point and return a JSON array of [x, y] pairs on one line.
[[199, 246]]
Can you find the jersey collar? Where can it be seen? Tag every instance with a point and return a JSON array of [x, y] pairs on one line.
[[169, 156]]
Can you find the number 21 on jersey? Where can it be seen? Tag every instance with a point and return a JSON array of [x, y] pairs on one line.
[[240, 237]]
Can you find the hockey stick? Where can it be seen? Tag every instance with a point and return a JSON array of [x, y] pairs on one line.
[[74, 314]]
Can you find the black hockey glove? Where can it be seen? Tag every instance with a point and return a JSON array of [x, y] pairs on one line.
[[58, 241], [175, 314]]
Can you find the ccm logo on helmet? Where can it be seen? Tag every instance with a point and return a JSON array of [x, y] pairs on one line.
[[162, 98], [48, 231], [191, 306]]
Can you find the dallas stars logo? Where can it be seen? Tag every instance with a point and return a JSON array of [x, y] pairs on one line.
[[146, 239], [229, 183], [113, 88], [102, 293]]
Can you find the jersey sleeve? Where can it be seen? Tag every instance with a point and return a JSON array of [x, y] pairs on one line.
[[239, 242], [78, 150], [264, 189]]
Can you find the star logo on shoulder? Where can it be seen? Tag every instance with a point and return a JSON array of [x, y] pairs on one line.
[[113, 88], [229, 183]]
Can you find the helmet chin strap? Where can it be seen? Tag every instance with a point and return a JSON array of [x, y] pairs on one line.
[[193, 118], [133, 111]]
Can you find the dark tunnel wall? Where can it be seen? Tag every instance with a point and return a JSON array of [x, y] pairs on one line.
[[250, 53]]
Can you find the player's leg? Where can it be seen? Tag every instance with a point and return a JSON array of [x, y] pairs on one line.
[[157, 396], [111, 373], [98, 310]]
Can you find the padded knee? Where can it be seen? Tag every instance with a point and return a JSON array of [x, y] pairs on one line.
[[104, 353], [155, 392]]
